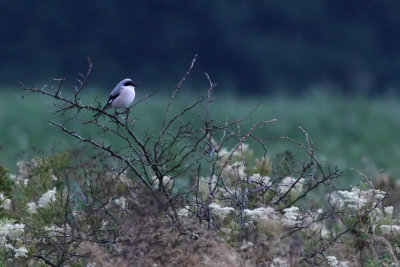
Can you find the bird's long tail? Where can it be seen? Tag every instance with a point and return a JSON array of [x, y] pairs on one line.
[[104, 108]]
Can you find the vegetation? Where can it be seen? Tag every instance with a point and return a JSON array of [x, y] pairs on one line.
[[76, 208], [196, 190]]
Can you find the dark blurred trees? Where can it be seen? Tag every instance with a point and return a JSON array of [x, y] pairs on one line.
[[249, 46]]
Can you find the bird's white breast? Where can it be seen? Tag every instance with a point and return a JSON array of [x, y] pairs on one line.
[[125, 98]]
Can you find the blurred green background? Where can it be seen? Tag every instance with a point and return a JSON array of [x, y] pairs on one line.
[[348, 132], [332, 67]]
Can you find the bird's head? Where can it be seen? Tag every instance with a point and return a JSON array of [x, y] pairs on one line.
[[127, 82]]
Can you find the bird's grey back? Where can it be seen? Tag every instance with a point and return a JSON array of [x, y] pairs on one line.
[[119, 86]]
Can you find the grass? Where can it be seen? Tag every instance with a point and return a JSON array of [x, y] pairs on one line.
[[355, 132]]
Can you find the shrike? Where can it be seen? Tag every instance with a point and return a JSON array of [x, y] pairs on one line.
[[121, 96]]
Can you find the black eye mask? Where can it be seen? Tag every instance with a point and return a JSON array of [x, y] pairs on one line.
[[129, 83]]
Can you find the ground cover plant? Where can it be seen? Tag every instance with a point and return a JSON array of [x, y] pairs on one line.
[[198, 190]]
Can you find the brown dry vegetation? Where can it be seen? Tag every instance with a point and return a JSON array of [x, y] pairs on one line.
[[151, 238]]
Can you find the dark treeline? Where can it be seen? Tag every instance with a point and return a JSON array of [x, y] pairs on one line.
[[248, 46]]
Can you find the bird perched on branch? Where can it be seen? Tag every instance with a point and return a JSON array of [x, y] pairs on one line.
[[121, 96]]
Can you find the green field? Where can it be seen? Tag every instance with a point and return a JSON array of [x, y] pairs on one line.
[[349, 132]]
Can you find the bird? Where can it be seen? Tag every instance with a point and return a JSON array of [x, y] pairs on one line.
[[121, 96]]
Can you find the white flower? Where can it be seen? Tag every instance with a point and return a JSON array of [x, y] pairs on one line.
[[278, 262], [354, 199], [25, 169], [267, 220], [121, 201], [104, 224], [242, 148], [10, 231], [344, 264], [236, 170], [291, 217], [53, 177], [55, 231], [388, 210], [324, 231], [25, 182], [20, 252], [313, 224], [47, 198], [376, 214], [357, 199], [6, 204], [239, 153], [333, 261], [335, 200], [167, 181], [246, 245], [320, 228], [287, 183], [31, 207], [223, 156], [13, 177], [379, 196], [264, 214], [184, 212], [220, 212], [390, 230]]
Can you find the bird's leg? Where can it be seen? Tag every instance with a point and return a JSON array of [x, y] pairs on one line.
[[117, 113], [126, 113]]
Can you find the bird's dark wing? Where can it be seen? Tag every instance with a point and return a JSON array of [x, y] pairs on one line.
[[110, 100]]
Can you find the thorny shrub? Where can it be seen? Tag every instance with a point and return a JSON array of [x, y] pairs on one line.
[[123, 206]]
